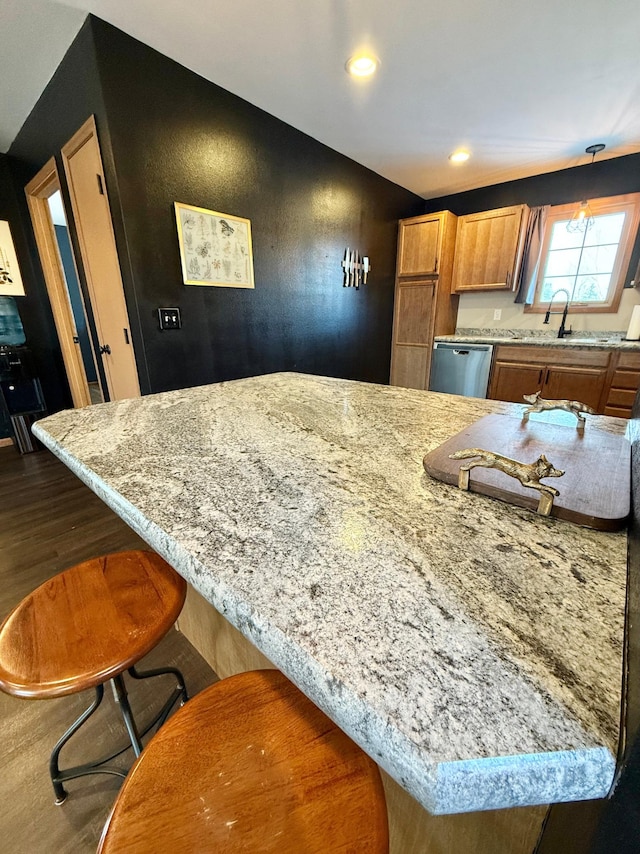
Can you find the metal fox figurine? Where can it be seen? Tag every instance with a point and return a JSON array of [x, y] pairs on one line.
[[539, 404], [529, 474]]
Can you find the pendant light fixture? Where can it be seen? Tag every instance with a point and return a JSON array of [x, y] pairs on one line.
[[582, 219]]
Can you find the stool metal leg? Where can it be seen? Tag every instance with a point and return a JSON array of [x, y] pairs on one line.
[[122, 699], [179, 692], [135, 736], [58, 776]]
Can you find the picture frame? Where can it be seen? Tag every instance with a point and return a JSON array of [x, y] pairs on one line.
[[215, 248], [11, 284]]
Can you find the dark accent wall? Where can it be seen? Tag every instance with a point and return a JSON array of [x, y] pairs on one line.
[[168, 135], [73, 94], [613, 177], [177, 137]]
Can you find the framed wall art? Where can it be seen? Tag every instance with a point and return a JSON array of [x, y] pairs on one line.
[[10, 278], [215, 248]]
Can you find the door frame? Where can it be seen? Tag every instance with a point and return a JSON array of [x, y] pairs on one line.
[[37, 191], [85, 134]]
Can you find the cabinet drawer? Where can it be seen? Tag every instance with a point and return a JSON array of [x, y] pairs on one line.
[[629, 359], [621, 397], [617, 412], [553, 356], [626, 379]]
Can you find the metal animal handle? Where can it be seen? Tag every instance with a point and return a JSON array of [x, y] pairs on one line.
[[539, 404], [529, 474]]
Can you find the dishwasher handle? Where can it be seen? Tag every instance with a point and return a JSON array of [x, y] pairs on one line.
[[460, 352]]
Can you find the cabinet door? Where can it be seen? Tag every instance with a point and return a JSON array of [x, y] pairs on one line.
[[412, 334], [511, 380], [488, 250], [418, 246], [567, 383]]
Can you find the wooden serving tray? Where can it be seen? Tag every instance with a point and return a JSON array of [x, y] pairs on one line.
[[594, 491]]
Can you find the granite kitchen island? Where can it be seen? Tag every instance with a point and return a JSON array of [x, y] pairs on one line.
[[472, 648]]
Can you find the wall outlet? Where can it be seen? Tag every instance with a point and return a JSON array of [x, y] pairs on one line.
[[497, 314], [169, 318]]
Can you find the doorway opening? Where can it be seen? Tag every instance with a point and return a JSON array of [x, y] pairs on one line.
[[74, 294], [44, 186]]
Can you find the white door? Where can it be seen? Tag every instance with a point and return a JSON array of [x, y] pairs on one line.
[[92, 216]]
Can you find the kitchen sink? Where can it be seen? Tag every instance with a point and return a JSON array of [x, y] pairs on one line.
[[591, 340]]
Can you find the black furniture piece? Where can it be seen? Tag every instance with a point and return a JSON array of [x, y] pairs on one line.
[[20, 394]]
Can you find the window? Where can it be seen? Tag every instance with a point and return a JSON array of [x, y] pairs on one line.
[[589, 265]]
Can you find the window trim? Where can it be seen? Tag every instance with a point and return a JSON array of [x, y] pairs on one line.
[[609, 204]]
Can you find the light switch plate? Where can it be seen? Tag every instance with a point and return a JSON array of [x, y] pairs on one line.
[[169, 318]]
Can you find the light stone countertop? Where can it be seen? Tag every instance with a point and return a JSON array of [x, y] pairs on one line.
[[474, 649], [538, 338]]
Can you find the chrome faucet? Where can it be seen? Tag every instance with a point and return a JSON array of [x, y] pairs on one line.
[[562, 331]]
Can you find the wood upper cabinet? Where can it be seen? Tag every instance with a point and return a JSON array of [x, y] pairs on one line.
[[559, 374], [419, 241], [424, 306], [489, 249]]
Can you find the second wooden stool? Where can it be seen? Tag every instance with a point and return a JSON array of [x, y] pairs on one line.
[[250, 765], [87, 626]]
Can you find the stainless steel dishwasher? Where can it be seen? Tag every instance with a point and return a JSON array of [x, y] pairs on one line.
[[458, 368]]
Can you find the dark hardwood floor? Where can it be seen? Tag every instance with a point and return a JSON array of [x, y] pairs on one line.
[[49, 521]]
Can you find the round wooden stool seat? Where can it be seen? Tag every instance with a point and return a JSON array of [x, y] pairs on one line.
[[250, 765], [88, 624]]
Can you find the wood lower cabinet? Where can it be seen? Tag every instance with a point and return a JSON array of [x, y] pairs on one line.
[[424, 306], [511, 380], [574, 383], [558, 374], [413, 333], [625, 381]]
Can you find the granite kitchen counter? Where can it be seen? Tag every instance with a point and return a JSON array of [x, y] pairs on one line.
[[472, 648], [577, 340]]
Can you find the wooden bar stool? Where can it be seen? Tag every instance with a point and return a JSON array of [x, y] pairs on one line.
[[250, 765], [84, 627]]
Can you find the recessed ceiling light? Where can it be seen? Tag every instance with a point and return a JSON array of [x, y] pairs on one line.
[[459, 156], [362, 65]]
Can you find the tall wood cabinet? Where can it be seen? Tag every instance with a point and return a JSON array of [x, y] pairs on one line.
[[489, 249], [424, 305]]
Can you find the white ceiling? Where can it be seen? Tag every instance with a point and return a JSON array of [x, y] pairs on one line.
[[35, 36], [526, 86]]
